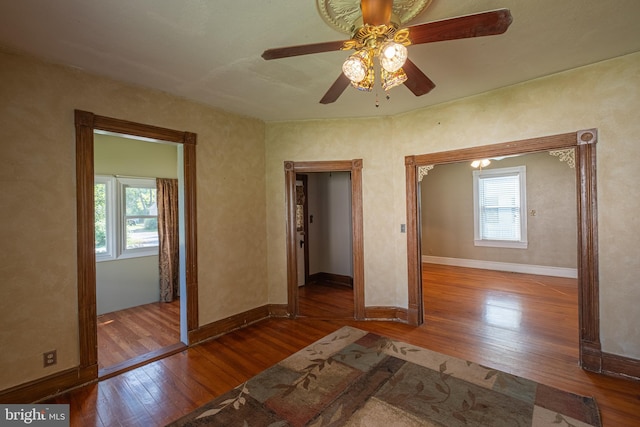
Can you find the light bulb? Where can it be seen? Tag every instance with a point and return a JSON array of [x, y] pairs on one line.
[[390, 51], [393, 56], [480, 163]]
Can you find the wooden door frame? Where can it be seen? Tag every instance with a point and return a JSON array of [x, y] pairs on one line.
[[290, 170], [86, 123], [583, 143]]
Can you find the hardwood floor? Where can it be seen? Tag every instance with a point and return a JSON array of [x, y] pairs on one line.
[[525, 325], [507, 317], [325, 300], [128, 336]]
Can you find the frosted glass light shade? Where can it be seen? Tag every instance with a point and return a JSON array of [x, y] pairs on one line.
[[367, 83], [356, 66], [392, 56]]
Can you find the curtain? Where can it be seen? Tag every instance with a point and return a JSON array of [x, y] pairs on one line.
[[167, 196]]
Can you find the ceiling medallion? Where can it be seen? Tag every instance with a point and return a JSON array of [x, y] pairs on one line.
[[343, 14]]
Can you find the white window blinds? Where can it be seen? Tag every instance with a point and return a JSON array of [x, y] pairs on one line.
[[500, 207]]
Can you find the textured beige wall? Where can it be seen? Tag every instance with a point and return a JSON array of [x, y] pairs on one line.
[[114, 155], [448, 222], [604, 96], [38, 308]]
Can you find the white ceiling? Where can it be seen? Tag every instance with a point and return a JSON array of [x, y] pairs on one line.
[[209, 50]]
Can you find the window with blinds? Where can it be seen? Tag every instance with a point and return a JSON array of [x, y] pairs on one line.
[[499, 197]]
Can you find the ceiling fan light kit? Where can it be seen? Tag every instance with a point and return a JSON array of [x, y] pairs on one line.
[[384, 42], [376, 33]]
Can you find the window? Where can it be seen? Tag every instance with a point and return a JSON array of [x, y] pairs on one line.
[[499, 199], [139, 214], [126, 217]]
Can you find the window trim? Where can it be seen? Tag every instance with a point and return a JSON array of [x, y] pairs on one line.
[[521, 172], [110, 214]]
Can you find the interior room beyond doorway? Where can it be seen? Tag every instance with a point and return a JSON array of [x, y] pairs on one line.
[[325, 250]]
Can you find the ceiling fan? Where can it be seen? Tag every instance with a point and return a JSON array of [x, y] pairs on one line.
[[380, 35]]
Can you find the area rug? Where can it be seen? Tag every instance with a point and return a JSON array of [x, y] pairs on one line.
[[356, 378]]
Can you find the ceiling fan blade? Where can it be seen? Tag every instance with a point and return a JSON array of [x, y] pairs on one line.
[[305, 49], [376, 12], [417, 81], [462, 27], [335, 90]]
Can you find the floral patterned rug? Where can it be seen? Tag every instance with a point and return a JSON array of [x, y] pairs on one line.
[[356, 378]]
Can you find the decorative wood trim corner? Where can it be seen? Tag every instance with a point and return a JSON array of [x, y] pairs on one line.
[[590, 356], [568, 155], [190, 138], [220, 327], [424, 171], [40, 389], [587, 136], [386, 313]]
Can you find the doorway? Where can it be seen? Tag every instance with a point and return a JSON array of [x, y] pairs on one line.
[[137, 279], [302, 228], [518, 278], [292, 171], [583, 144], [86, 123], [325, 253]]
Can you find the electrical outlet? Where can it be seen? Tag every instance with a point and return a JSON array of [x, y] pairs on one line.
[[50, 358]]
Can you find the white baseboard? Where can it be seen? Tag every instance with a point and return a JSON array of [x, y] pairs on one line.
[[542, 270]]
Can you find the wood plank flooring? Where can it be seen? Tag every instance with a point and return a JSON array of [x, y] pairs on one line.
[[325, 300], [525, 325], [130, 334]]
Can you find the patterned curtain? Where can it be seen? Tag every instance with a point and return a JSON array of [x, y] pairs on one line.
[[167, 192]]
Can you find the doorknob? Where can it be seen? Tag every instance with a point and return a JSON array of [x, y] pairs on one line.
[[301, 243]]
